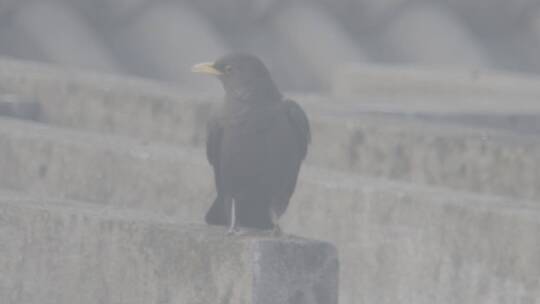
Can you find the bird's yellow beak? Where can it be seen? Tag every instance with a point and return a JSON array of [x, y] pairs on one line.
[[206, 68]]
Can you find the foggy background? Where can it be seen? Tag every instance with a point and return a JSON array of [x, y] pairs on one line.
[[423, 171], [303, 42]]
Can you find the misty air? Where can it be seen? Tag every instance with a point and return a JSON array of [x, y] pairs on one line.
[[269, 152]]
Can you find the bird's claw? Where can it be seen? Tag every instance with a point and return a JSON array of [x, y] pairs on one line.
[[233, 231], [276, 232]]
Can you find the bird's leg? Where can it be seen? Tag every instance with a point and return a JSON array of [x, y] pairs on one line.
[[276, 231], [232, 223]]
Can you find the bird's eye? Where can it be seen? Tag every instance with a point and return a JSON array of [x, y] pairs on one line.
[[227, 69]]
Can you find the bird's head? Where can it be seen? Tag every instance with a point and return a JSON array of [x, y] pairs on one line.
[[244, 77]]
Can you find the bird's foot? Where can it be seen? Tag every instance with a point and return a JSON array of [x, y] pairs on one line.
[[233, 231], [276, 232]]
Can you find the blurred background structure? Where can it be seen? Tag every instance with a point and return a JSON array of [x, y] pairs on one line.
[[424, 169], [301, 41]]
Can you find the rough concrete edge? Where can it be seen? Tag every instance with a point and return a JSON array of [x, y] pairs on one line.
[[321, 176], [332, 264], [30, 71], [134, 147], [336, 179], [318, 107], [439, 77], [33, 71], [430, 128], [104, 212]]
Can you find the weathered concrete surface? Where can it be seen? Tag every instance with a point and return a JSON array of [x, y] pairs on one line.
[[411, 244], [21, 108], [63, 252], [436, 154], [450, 89], [346, 136], [125, 172], [103, 169], [106, 103], [477, 160], [398, 242]]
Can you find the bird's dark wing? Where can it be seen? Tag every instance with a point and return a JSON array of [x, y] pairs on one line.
[[216, 214], [213, 146], [288, 167], [300, 123], [213, 142]]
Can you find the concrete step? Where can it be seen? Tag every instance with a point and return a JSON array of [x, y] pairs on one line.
[[112, 170], [106, 103], [379, 140], [21, 108], [450, 88], [404, 243], [66, 252], [396, 240], [439, 154]]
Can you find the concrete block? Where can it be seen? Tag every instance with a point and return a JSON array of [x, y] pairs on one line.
[[376, 11], [115, 11], [440, 154], [8, 6], [77, 46], [402, 243], [490, 18], [379, 138], [524, 124], [320, 40], [235, 17], [62, 252], [18, 107], [108, 104], [17, 44], [398, 242], [104, 169], [448, 89], [430, 34], [533, 45], [166, 40], [289, 68]]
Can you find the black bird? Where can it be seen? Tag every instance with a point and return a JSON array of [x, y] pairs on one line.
[[255, 143]]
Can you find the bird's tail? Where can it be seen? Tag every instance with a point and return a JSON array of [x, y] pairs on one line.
[[252, 213]]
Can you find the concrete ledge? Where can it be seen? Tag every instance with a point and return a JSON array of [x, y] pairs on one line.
[[106, 103], [55, 252], [439, 154], [123, 172], [13, 106], [396, 240], [103, 169], [468, 88], [404, 243], [406, 143]]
